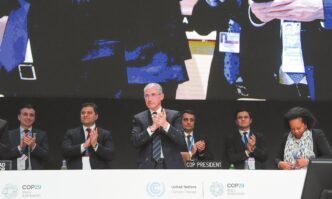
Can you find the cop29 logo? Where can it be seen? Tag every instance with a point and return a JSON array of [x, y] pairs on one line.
[[9, 191], [155, 189], [216, 189]]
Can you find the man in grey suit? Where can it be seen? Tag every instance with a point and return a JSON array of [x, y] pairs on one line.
[[156, 133], [3, 138], [88, 147], [28, 146]]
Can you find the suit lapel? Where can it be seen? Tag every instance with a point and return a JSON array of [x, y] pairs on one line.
[[81, 135]]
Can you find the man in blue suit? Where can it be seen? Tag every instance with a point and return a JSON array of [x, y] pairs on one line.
[[156, 133], [28, 146]]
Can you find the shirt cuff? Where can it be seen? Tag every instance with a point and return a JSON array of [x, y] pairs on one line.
[[82, 148], [167, 127], [247, 153], [149, 131], [19, 149], [327, 5], [33, 148], [95, 148], [252, 21]]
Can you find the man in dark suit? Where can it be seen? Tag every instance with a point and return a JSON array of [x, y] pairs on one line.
[[196, 143], [28, 145], [156, 133], [88, 146], [245, 147], [3, 138]]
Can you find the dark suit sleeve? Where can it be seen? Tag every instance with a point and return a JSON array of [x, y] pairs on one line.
[[260, 152], [105, 148], [69, 150], [4, 140], [280, 155], [139, 135], [41, 149], [174, 132], [323, 146], [206, 154], [234, 155]]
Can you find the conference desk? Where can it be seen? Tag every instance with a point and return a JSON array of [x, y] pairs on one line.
[[141, 184]]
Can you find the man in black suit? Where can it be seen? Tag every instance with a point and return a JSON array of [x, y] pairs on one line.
[[88, 146], [245, 147], [3, 138], [28, 145], [156, 133], [197, 145]]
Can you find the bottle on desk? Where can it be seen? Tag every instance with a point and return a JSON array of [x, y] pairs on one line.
[[64, 165], [232, 166]]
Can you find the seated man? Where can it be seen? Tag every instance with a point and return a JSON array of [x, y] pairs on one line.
[[88, 146], [197, 145], [245, 147], [28, 145]]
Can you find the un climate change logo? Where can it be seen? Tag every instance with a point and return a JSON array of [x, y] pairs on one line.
[[216, 189], [9, 191], [155, 189]]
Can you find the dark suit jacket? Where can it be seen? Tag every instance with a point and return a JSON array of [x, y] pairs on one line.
[[38, 156], [203, 155], [172, 142], [100, 159], [322, 148], [236, 150], [3, 139]]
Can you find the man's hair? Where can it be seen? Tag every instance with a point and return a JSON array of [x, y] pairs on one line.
[[28, 106], [242, 110], [188, 111], [299, 112], [156, 85], [90, 104]]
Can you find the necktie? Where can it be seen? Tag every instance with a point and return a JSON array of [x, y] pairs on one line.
[[231, 60], [88, 130], [26, 132], [245, 139], [87, 153], [189, 142], [156, 147], [15, 39]]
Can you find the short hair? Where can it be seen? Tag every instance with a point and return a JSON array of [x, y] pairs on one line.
[[156, 85], [188, 111], [90, 104], [299, 112], [242, 110], [28, 106]]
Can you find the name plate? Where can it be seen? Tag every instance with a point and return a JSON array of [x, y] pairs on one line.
[[204, 164], [5, 165]]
